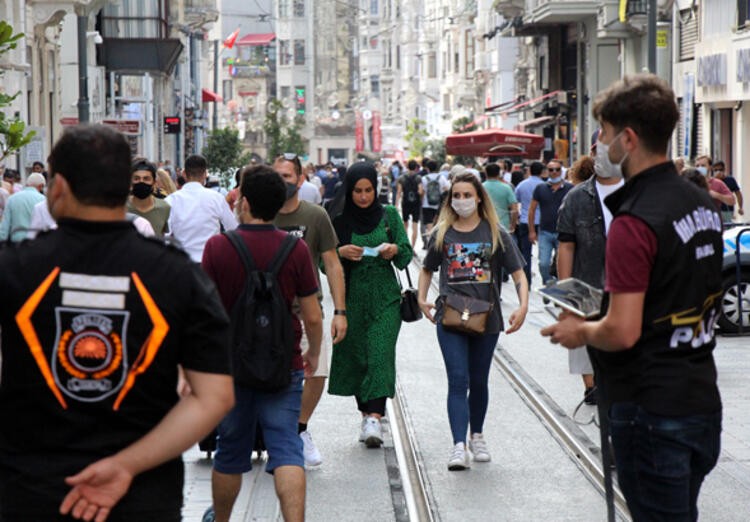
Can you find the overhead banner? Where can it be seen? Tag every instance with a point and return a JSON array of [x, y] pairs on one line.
[[359, 132], [377, 133]]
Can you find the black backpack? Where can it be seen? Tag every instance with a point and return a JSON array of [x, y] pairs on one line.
[[411, 189], [262, 332]]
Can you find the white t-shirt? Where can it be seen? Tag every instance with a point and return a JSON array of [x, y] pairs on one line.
[[309, 192], [603, 191], [197, 214]]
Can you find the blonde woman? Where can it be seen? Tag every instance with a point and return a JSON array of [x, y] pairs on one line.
[[164, 184], [470, 249]]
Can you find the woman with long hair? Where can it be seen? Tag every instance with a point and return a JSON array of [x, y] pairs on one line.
[[470, 249], [372, 241]]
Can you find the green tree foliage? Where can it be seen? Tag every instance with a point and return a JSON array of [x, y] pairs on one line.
[[13, 133], [283, 135], [225, 154], [416, 137], [459, 125], [435, 149]]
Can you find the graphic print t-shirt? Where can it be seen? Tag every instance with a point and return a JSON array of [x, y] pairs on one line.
[[468, 267]]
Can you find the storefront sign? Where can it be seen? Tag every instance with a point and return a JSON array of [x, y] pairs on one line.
[[743, 65], [712, 70], [126, 127]]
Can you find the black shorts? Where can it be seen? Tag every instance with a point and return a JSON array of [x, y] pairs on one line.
[[428, 214], [410, 211]]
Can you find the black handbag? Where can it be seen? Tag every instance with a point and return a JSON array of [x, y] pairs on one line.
[[410, 310]]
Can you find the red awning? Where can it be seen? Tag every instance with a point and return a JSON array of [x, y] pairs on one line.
[[495, 142], [210, 96], [256, 39]]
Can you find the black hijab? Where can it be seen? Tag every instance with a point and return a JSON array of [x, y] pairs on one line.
[[354, 219]]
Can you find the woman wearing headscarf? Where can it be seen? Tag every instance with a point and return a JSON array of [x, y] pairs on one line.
[[371, 240]]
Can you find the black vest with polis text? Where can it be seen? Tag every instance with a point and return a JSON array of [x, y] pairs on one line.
[[670, 371]]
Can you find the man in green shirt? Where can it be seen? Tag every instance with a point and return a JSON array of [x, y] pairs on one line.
[[503, 197], [311, 223], [142, 201]]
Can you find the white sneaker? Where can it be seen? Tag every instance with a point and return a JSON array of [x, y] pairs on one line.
[[478, 448], [372, 432], [362, 435], [312, 455], [459, 459]]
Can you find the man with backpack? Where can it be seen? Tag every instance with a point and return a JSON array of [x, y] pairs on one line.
[[410, 193], [259, 272], [433, 186]]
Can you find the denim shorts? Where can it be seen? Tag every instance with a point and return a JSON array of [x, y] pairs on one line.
[[278, 414]]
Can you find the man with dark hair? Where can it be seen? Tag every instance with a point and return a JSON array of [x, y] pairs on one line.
[[409, 197], [197, 213], [142, 201], [263, 194], [524, 194], [502, 196], [716, 187], [311, 223], [727, 211], [548, 197], [582, 225], [92, 333], [653, 353]]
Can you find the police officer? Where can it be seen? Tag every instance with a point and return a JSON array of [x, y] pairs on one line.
[[654, 345]]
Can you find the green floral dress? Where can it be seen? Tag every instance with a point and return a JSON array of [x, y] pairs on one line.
[[364, 363]]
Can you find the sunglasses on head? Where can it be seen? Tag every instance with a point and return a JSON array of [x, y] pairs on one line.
[[289, 156]]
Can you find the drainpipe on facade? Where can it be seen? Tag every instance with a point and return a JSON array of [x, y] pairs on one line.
[[83, 78]]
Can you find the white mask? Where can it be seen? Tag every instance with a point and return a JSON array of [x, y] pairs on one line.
[[603, 166], [464, 207]]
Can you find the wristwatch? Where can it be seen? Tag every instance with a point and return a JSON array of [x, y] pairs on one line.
[[339, 312]]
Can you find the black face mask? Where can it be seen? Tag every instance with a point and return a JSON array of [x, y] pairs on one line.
[[291, 190], [142, 190]]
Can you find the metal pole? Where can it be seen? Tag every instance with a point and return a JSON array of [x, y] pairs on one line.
[[652, 36], [216, 83], [83, 79]]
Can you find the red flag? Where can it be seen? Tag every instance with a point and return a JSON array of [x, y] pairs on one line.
[[229, 42]]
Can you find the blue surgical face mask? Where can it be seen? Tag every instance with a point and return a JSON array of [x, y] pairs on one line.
[[553, 181], [702, 170]]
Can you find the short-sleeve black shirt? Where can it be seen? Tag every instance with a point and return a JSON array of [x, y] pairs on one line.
[[95, 320]]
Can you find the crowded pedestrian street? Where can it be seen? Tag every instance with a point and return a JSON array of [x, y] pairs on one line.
[[374, 260], [541, 446]]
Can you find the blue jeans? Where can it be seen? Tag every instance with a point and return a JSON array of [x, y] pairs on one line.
[[547, 243], [467, 362], [662, 461], [278, 414], [524, 245]]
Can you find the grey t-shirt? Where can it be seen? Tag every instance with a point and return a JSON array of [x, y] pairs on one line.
[[468, 267]]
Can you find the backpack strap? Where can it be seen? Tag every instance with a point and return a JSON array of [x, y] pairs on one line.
[[287, 245], [239, 245]]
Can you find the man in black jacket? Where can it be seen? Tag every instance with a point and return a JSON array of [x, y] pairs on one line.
[[663, 277]]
